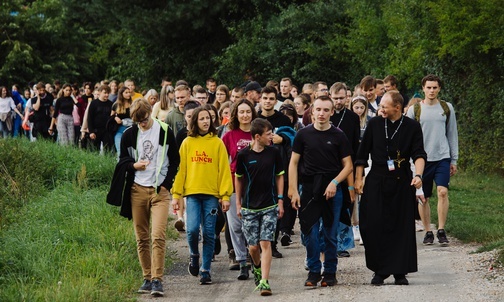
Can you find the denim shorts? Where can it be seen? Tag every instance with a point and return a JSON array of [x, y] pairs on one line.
[[259, 225], [436, 171]]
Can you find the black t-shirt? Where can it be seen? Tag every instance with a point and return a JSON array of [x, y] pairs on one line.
[[349, 123], [277, 120], [258, 171], [64, 105], [181, 135], [321, 151], [44, 111], [98, 114]]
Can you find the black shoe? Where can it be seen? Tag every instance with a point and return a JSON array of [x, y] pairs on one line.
[[429, 238], [441, 236], [205, 278], [275, 253], [328, 280], [157, 288], [193, 268], [343, 254], [400, 280], [146, 287], [244, 272], [233, 264], [313, 279], [217, 247], [285, 240], [378, 279]]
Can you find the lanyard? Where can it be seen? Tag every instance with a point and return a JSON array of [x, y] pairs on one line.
[[392, 137]]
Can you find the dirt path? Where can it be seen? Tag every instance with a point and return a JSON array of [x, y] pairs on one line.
[[444, 274]]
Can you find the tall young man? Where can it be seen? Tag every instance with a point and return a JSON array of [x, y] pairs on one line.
[[439, 126], [324, 154], [149, 157], [98, 114]]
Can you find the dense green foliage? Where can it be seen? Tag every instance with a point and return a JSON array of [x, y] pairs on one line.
[[59, 240], [334, 40]]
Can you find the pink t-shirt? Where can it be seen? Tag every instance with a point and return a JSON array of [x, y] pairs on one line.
[[235, 140]]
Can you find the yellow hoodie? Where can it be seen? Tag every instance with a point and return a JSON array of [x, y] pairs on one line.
[[204, 168]]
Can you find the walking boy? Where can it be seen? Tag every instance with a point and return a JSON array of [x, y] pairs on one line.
[[259, 189]]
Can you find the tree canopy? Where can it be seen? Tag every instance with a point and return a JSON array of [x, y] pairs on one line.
[[333, 40]]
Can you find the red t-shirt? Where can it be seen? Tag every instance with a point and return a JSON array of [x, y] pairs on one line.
[[235, 140]]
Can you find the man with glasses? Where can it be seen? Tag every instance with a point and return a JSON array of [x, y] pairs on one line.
[[149, 157], [320, 88], [201, 96]]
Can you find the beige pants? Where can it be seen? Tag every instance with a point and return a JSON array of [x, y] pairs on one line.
[[150, 214]]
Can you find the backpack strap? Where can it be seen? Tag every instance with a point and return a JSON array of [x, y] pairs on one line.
[[417, 109], [446, 110]]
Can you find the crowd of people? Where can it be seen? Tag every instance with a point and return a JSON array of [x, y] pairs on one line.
[[251, 159]]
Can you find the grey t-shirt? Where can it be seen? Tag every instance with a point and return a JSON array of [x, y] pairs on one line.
[[440, 140]]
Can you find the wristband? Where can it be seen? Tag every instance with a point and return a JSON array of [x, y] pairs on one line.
[[419, 176], [335, 182], [280, 197], [350, 188]]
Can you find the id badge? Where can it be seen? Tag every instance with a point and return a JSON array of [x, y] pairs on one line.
[[390, 164]]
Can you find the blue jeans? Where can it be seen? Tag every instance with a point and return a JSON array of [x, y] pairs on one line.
[[313, 240], [117, 138], [201, 209]]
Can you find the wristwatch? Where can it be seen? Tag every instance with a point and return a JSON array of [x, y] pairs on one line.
[[419, 175]]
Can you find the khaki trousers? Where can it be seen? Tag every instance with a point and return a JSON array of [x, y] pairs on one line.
[[150, 214]]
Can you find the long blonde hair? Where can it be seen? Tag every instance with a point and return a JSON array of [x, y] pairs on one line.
[[362, 118]]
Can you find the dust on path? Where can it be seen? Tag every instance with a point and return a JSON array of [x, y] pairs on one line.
[[450, 273]]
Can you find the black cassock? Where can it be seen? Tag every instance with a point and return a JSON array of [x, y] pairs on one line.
[[387, 208]]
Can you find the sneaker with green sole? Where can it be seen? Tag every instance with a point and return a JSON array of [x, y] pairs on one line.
[[264, 288], [257, 274]]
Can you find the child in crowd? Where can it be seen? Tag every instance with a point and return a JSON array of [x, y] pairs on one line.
[[259, 201]]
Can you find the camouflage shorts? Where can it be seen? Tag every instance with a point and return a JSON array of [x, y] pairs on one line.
[[259, 225]]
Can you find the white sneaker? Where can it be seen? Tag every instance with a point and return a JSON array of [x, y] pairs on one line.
[[419, 225], [356, 233], [361, 242]]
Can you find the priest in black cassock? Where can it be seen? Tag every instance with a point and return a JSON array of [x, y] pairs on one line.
[[387, 208]]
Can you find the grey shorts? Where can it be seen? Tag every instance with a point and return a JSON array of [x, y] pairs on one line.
[[259, 225]]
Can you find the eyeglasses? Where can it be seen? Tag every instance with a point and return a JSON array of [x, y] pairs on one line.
[[145, 120], [339, 98]]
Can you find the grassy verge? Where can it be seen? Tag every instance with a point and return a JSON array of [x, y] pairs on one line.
[[59, 240], [476, 210]]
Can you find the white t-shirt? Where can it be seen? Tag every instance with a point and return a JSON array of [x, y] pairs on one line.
[[147, 149], [6, 104]]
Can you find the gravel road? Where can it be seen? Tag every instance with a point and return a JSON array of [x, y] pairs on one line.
[[452, 273]]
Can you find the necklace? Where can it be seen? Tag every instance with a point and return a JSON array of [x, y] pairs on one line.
[[395, 132]]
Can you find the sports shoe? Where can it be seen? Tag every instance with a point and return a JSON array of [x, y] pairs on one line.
[[328, 280], [146, 287], [313, 279], [400, 280], [306, 264], [343, 254], [419, 226], [179, 225], [264, 288], [429, 238], [157, 288], [233, 264], [193, 267], [378, 279], [441, 236], [275, 253], [257, 274], [356, 233], [361, 242], [244, 272], [285, 240], [205, 278]]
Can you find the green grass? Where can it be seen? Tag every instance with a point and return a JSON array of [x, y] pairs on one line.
[[476, 211], [59, 240]]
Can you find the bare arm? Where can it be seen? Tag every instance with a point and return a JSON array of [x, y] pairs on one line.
[[293, 180]]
